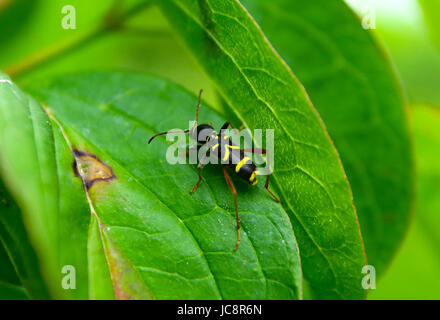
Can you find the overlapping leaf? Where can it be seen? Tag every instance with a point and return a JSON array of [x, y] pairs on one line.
[[263, 93], [10, 285], [20, 273], [351, 83]]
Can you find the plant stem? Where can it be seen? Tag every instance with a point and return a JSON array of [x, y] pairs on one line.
[[111, 21]]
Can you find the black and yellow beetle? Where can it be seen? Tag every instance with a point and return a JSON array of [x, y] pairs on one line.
[[228, 154]]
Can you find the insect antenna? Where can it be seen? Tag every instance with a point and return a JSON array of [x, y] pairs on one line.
[[197, 111], [166, 132], [198, 105]]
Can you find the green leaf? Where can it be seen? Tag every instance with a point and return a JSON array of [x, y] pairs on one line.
[[263, 93], [431, 11], [414, 273], [351, 82], [18, 259], [147, 237], [11, 292], [33, 154], [10, 286], [7, 273]]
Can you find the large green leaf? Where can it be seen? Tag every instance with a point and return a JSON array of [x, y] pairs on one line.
[[263, 93], [414, 273], [352, 84], [147, 237]]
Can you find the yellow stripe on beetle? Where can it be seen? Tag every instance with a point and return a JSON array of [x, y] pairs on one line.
[[253, 179], [241, 163], [226, 154], [227, 147]]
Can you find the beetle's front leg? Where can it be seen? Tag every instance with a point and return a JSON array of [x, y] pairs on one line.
[[199, 172], [228, 123]]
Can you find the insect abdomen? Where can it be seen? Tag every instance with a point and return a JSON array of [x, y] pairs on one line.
[[243, 166], [236, 159]]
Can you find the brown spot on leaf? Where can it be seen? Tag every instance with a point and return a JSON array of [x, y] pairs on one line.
[[90, 169]]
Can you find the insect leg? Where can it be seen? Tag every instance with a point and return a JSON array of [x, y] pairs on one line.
[[199, 167], [266, 185], [228, 123], [199, 172], [234, 193]]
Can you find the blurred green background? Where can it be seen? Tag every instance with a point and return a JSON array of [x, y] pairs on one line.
[[406, 30], [33, 46]]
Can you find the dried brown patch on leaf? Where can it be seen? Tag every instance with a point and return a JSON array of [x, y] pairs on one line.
[[90, 169]]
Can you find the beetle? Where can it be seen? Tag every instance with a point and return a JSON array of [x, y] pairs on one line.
[[228, 154]]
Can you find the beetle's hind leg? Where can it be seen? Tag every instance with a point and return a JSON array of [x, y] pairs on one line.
[[266, 185], [234, 193]]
